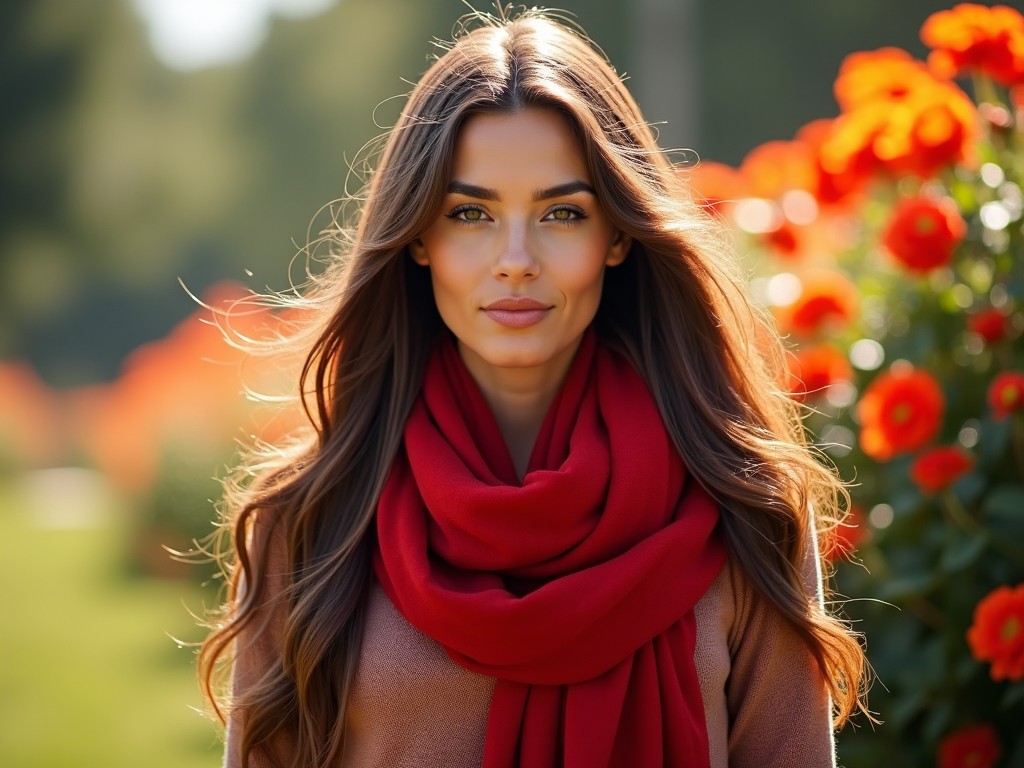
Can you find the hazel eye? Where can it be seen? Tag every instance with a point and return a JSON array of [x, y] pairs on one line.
[[566, 214], [468, 214]]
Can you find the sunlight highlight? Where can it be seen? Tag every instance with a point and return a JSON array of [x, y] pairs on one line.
[[195, 34]]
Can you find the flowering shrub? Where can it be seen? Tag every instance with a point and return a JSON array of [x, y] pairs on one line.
[[165, 430], [888, 243], [162, 432]]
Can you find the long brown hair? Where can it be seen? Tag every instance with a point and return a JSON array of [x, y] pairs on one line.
[[678, 307]]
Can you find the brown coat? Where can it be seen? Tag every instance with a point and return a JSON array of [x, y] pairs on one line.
[[764, 704]]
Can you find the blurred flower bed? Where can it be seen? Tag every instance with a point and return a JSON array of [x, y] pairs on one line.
[[164, 434], [888, 242]]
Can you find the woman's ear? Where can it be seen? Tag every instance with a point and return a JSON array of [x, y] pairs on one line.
[[418, 251], [618, 250]]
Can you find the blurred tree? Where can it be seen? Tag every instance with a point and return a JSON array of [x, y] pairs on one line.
[[40, 60]]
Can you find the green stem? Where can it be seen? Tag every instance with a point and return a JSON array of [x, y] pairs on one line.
[[985, 90], [960, 516]]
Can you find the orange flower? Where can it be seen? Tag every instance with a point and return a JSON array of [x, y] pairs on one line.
[[973, 37], [989, 323], [973, 747], [923, 231], [775, 167], [900, 411], [938, 468], [1006, 393], [813, 369], [714, 183], [827, 299], [888, 74], [898, 118], [997, 634]]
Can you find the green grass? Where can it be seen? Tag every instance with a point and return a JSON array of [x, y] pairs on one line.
[[89, 675]]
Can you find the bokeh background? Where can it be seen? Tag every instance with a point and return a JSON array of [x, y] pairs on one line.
[[153, 150]]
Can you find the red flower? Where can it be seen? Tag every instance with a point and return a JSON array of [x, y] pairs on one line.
[[900, 411], [1017, 96], [973, 747], [997, 634], [813, 369], [827, 299], [989, 323], [1006, 393], [785, 241], [846, 536], [923, 232], [836, 185], [973, 37], [938, 468]]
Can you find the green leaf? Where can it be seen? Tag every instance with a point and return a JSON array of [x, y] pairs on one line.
[[1004, 501], [1016, 755], [1003, 512], [995, 437], [969, 488], [905, 708], [963, 550], [937, 720], [908, 586], [1013, 695], [963, 193]]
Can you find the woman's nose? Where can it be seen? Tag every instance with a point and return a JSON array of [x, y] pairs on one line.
[[516, 260]]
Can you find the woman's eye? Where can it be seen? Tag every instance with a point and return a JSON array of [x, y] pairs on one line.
[[565, 214], [468, 214]]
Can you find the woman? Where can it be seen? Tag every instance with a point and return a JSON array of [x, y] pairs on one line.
[[556, 509]]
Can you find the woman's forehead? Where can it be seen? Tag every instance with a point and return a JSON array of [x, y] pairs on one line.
[[535, 146]]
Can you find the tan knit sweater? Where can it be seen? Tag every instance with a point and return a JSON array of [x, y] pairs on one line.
[[413, 707]]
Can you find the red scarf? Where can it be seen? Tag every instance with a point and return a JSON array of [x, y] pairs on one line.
[[574, 588]]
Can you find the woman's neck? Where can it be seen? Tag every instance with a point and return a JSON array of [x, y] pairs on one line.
[[519, 398], [519, 416]]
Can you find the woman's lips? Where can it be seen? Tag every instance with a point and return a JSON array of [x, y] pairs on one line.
[[516, 311]]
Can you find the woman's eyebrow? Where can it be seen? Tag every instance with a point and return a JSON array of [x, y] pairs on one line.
[[562, 190], [483, 193], [472, 190]]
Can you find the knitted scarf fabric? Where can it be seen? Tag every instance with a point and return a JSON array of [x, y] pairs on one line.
[[575, 587]]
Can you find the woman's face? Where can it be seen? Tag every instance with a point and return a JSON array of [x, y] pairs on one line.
[[519, 250]]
